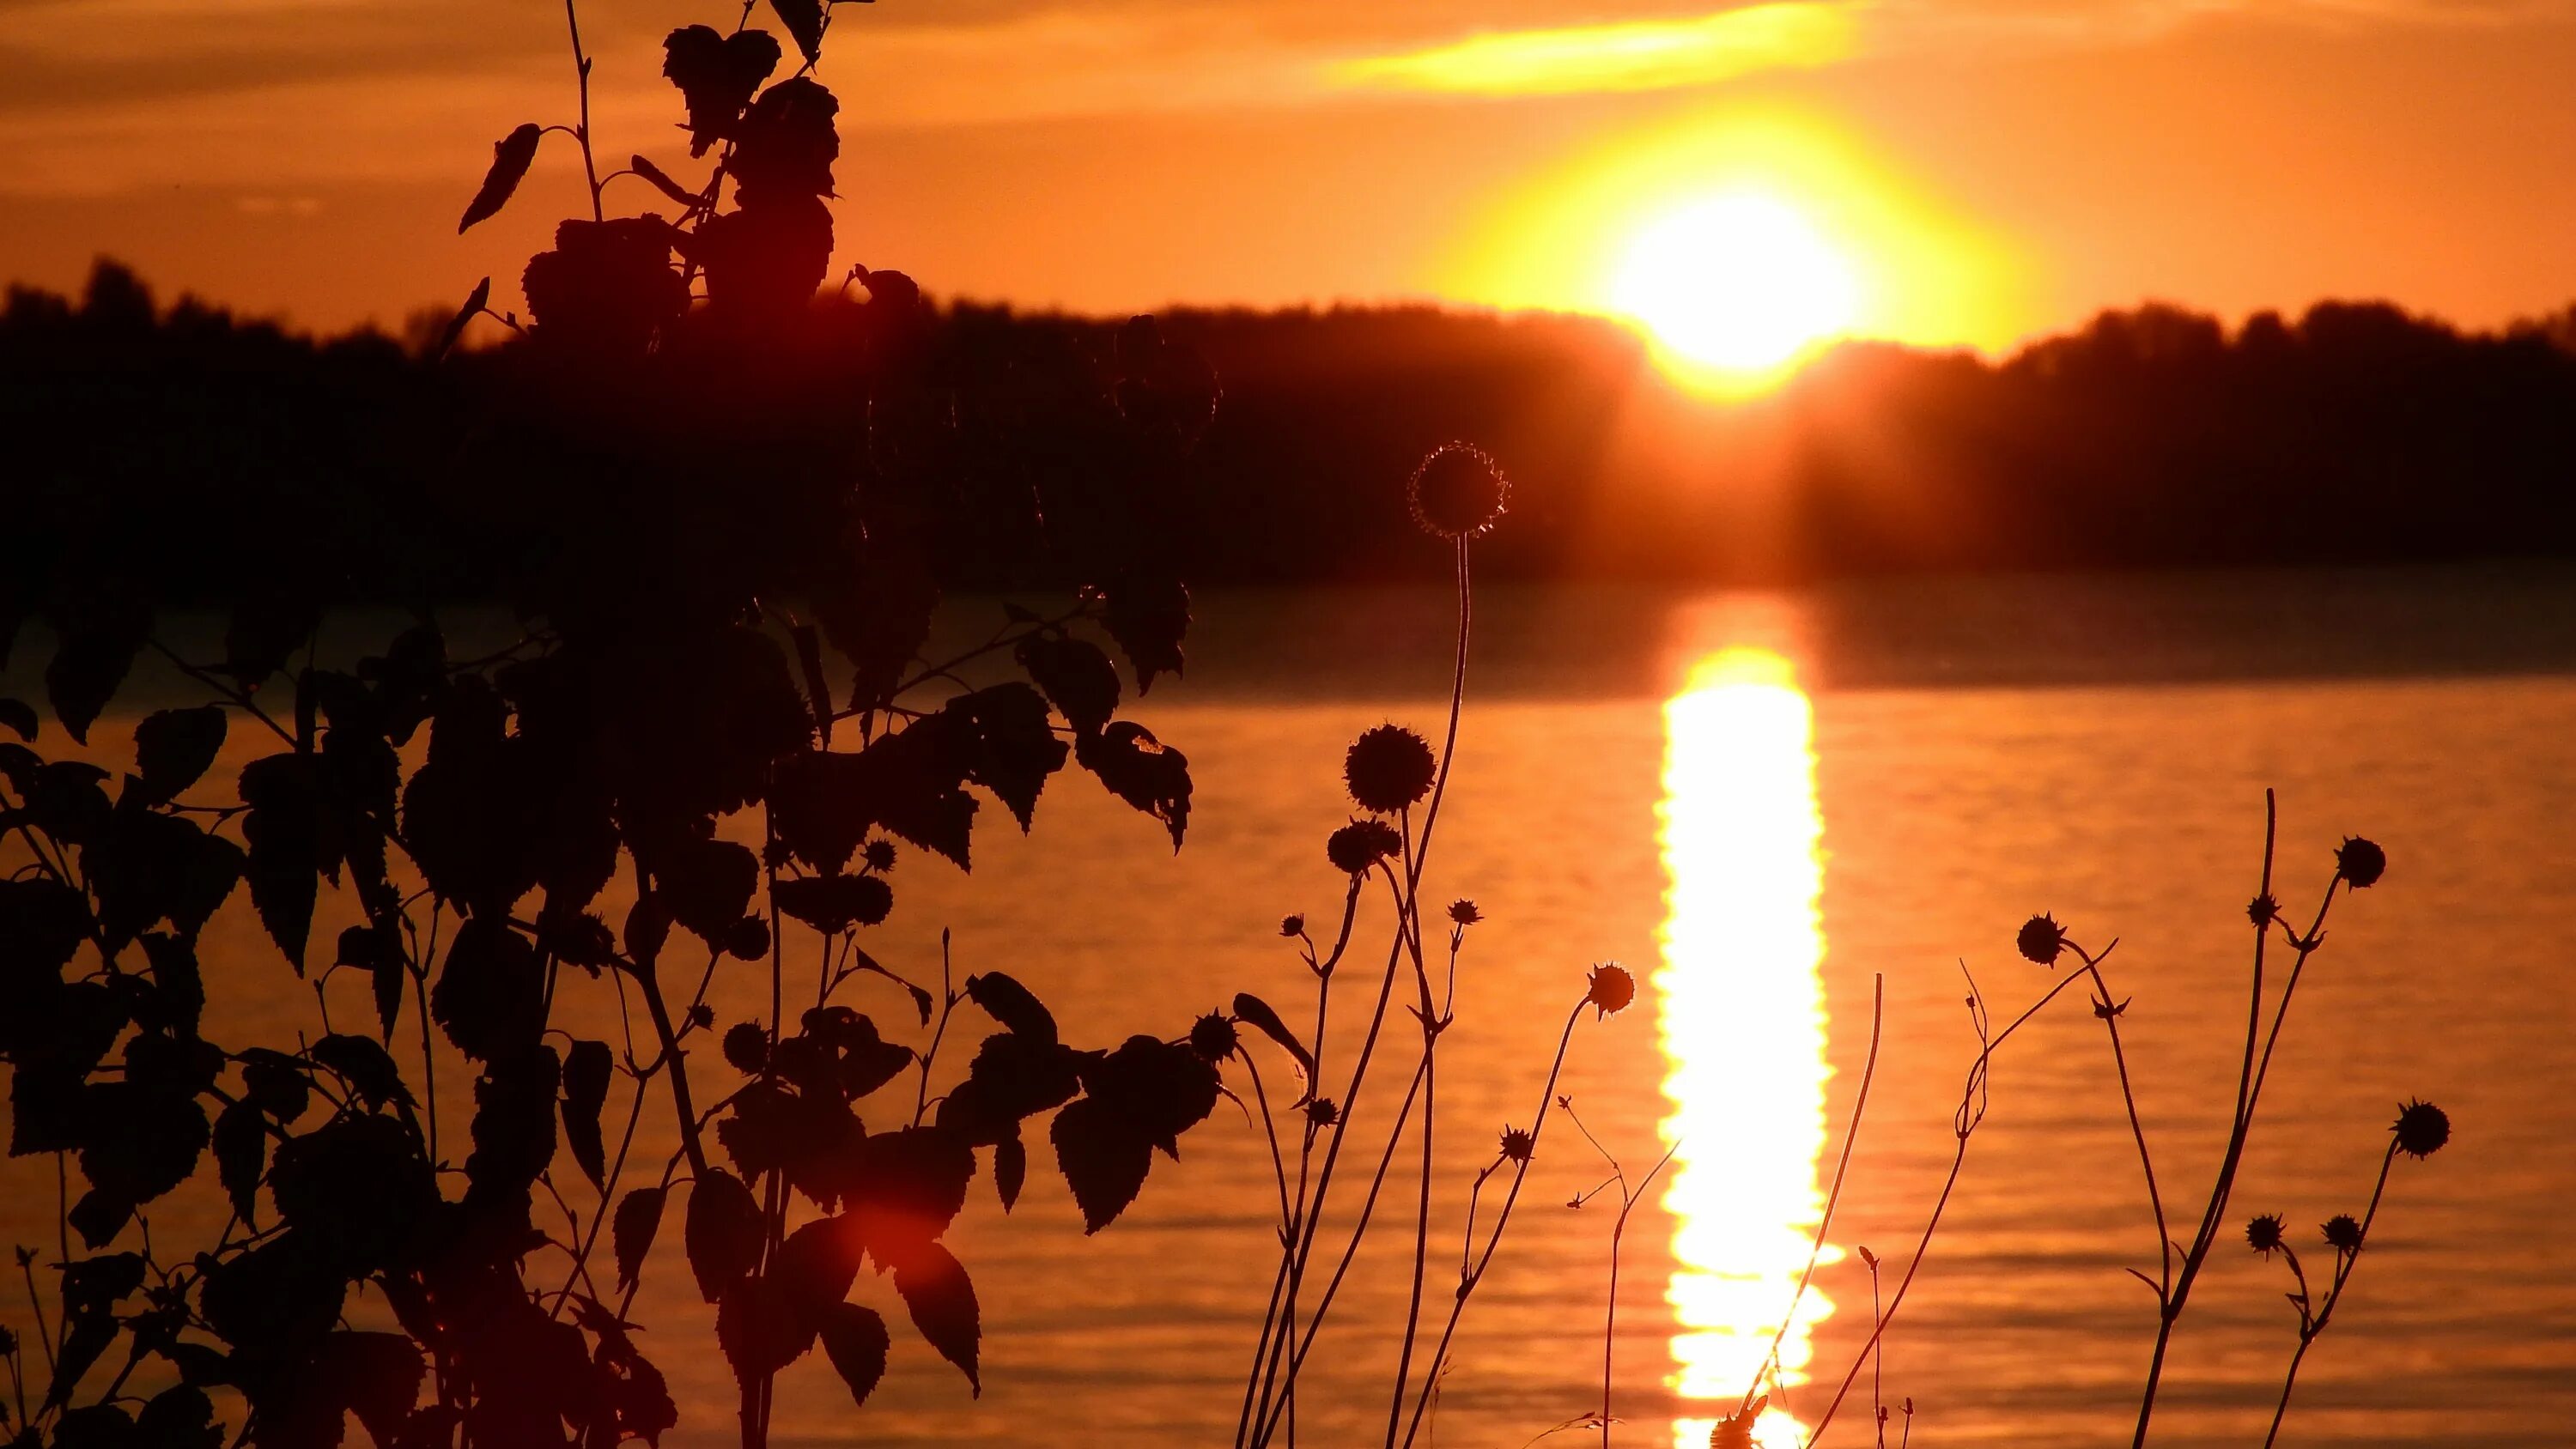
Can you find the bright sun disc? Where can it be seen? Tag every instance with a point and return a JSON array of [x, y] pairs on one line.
[[1740, 284]]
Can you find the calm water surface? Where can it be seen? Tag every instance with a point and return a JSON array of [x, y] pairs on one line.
[[1769, 807]]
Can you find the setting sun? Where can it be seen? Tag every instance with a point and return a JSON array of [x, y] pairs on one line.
[[1739, 283]]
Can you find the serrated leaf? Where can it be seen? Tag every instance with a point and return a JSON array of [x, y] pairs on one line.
[[585, 1090], [241, 1150], [173, 748], [804, 22], [1104, 1159], [631, 1232], [760, 1329], [941, 1299], [1013, 1005], [1141, 770], [286, 830], [1078, 679], [661, 179], [723, 1232], [91, 661], [510, 157], [1010, 1169], [855, 1340]]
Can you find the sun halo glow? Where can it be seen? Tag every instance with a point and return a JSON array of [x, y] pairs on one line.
[[1739, 283]]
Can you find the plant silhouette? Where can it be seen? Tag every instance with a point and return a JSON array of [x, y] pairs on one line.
[[716, 706]]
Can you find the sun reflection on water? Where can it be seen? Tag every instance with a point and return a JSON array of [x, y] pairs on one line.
[[1742, 1024]]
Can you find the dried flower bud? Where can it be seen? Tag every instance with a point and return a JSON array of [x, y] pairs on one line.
[[2421, 1129], [702, 1016], [1292, 925], [1517, 1144], [2263, 910], [1611, 988], [1322, 1112], [879, 855], [1388, 768], [2343, 1233], [1866, 1256], [1464, 913], [746, 1045], [1458, 492], [1213, 1038], [2360, 862], [2264, 1233], [1361, 844], [2041, 939]]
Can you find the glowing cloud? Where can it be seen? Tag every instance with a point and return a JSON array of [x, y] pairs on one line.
[[1636, 55]]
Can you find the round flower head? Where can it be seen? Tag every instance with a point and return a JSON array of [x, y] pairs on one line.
[[1517, 1144], [2343, 1233], [1458, 492], [702, 1016], [1361, 844], [1612, 988], [2264, 1233], [1464, 913], [2421, 1129], [2360, 862], [746, 1046], [1213, 1038], [2041, 939], [747, 939], [1322, 1112], [1292, 925], [2263, 910], [879, 854], [1388, 768]]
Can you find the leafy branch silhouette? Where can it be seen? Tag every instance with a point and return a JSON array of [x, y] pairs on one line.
[[717, 706]]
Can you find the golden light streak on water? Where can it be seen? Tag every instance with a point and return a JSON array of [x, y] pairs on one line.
[[1742, 1008]]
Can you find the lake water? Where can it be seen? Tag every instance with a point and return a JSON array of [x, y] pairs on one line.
[[1766, 805]]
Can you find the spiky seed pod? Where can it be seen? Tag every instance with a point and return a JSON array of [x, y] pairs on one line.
[[2264, 1233], [1464, 913], [1458, 492], [1361, 844], [1292, 925], [2041, 939], [1388, 768], [2343, 1233], [1213, 1038], [1517, 1144], [879, 854], [2421, 1129], [746, 1046], [1322, 1112], [2263, 910], [1611, 988], [702, 1016], [2360, 862]]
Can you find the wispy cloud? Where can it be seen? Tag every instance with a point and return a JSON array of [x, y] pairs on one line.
[[1634, 55]]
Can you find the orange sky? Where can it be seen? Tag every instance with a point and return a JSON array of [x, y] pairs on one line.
[[2015, 164]]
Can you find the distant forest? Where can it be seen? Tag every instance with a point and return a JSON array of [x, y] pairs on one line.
[[2355, 433]]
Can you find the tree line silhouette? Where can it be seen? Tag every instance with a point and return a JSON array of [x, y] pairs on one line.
[[2152, 437]]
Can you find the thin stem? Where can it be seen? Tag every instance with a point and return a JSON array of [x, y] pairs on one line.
[[581, 68], [2309, 1334], [1834, 1197], [1502, 1220]]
